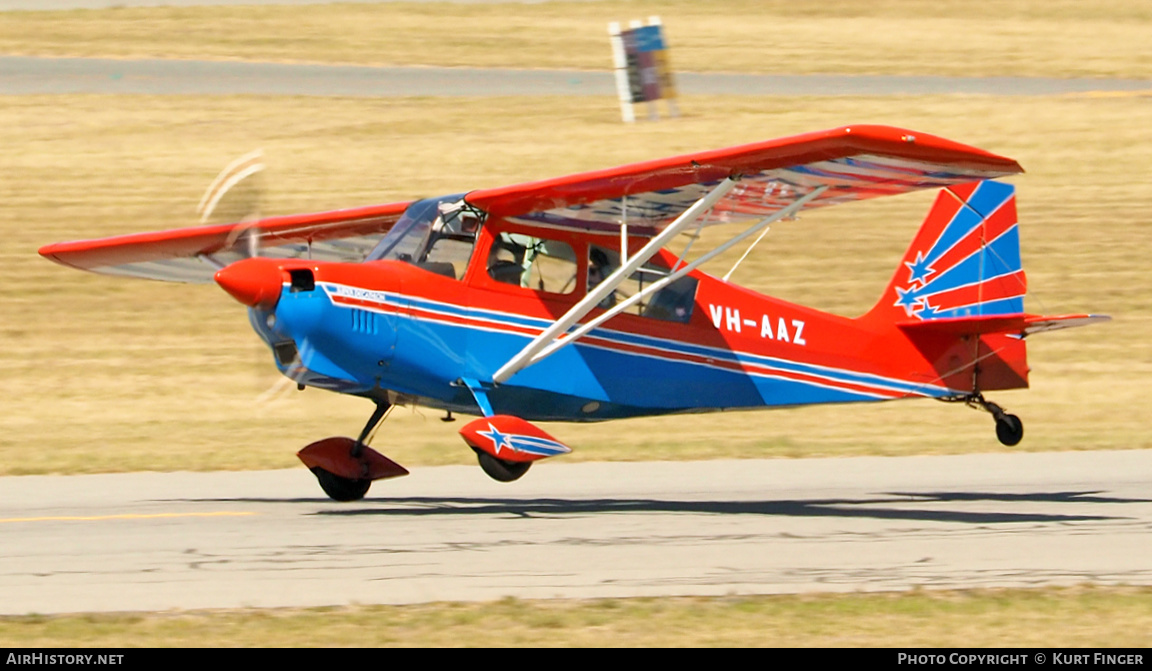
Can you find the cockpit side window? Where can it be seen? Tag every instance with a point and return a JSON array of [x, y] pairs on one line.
[[448, 257], [672, 303], [533, 263]]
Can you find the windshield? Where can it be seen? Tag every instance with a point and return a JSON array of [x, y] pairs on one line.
[[437, 234], [406, 240]]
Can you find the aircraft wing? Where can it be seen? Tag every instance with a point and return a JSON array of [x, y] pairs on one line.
[[195, 254], [854, 162], [803, 171]]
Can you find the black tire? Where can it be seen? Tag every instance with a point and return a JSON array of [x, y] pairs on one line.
[[1009, 430], [341, 489], [501, 470]]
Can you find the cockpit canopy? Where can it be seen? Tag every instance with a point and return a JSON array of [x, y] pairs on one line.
[[436, 234]]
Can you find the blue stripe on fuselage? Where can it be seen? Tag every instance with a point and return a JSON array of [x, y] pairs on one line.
[[434, 353]]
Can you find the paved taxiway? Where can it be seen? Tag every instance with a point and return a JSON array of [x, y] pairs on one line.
[[31, 75], [155, 541]]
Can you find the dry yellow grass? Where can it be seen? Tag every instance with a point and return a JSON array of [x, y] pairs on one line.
[[112, 374], [1050, 618], [1009, 37]]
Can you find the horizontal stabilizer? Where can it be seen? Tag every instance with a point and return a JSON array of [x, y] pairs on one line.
[[1037, 324], [1017, 324]]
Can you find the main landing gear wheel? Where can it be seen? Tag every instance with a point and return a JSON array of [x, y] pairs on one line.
[[346, 468], [339, 488], [500, 469]]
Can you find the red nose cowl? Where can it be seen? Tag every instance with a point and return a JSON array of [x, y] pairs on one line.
[[255, 282]]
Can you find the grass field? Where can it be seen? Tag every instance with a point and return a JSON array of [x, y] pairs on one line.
[[1060, 38], [1053, 618]]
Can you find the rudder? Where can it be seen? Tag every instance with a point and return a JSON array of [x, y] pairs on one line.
[[963, 262]]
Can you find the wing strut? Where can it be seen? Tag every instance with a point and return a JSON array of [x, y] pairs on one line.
[[624, 230], [572, 337], [525, 356], [745, 254]]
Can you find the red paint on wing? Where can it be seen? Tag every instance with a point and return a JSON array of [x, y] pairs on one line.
[[711, 166], [189, 242]]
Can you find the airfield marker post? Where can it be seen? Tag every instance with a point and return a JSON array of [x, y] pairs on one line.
[[640, 59], [620, 63]]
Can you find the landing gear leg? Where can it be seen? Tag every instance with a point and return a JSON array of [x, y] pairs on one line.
[[346, 468], [382, 408], [1009, 428]]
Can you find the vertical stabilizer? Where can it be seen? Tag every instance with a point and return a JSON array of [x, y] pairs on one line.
[[963, 262]]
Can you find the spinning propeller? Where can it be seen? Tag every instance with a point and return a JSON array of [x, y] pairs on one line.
[[236, 193], [237, 196]]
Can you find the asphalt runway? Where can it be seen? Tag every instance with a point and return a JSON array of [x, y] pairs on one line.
[[163, 541]]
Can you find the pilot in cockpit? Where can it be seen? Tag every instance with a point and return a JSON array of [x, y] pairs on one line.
[[598, 269], [506, 261]]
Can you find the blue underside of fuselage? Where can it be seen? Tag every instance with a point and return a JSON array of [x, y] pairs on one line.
[[343, 350]]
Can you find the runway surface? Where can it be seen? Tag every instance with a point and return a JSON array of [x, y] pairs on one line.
[[29, 75], [152, 541]]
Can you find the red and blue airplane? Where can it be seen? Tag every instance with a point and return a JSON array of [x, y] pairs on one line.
[[559, 300]]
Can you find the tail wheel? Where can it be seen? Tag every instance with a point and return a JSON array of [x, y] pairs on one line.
[[1009, 429], [339, 488], [501, 470]]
